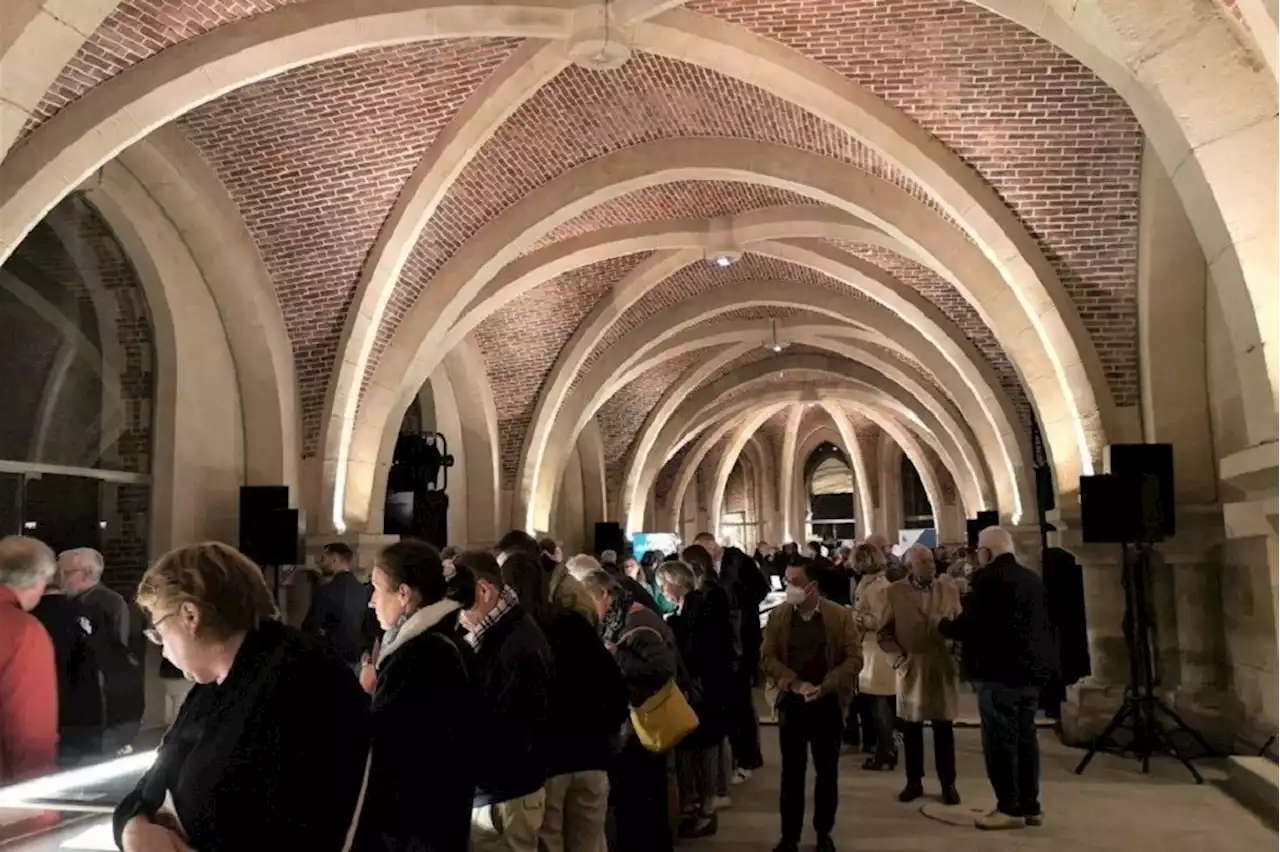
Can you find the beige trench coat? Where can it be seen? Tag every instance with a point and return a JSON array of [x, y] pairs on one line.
[[929, 679], [870, 613]]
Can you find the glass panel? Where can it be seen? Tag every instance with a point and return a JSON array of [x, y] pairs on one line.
[[76, 359]]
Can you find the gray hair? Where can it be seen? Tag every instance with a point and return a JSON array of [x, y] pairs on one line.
[[918, 552], [996, 539], [25, 563], [678, 574], [85, 558], [582, 565], [599, 583], [609, 557]]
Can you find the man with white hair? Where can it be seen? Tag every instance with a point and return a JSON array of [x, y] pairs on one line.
[[81, 570], [28, 675], [1008, 648]]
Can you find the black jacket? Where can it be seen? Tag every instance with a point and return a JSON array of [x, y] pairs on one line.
[[424, 724], [647, 657], [80, 702], [1004, 629], [515, 668], [638, 592], [272, 758], [704, 638], [588, 699], [338, 611]]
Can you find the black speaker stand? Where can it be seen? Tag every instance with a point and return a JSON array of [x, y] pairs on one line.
[[1142, 709]]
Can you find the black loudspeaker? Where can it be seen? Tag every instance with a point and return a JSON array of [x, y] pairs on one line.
[[609, 537], [270, 532], [1121, 509], [1153, 465], [973, 526], [1046, 498]]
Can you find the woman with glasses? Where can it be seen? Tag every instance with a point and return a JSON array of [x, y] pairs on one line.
[[270, 748]]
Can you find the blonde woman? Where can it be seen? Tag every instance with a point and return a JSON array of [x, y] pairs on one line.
[[878, 682], [269, 750]]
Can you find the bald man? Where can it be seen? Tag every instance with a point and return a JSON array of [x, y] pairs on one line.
[[1008, 648]]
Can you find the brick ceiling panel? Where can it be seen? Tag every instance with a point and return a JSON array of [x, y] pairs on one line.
[[583, 114], [1057, 144], [136, 30], [684, 200], [521, 342], [949, 301], [666, 478], [621, 417], [782, 380], [700, 278], [314, 198]]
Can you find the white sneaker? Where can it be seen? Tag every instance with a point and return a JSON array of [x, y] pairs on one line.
[[740, 776], [721, 803], [997, 821]]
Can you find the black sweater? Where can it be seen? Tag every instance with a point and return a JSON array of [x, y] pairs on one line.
[[515, 668], [588, 697], [339, 608], [424, 722], [271, 758], [1004, 629]]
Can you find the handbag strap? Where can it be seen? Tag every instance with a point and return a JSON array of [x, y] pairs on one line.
[[355, 817], [636, 630]]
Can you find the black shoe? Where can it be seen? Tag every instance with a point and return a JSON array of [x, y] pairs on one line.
[[787, 846], [824, 844], [950, 796], [874, 765], [911, 792]]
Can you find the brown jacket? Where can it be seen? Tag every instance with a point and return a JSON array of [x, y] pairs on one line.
[[844, 651]]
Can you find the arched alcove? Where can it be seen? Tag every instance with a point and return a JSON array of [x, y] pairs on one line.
[[830, 494]]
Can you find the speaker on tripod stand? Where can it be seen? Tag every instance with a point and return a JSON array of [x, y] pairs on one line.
[[1132, 506]]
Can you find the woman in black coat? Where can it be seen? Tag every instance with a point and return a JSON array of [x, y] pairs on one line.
[[704, 638], [424, 711], [270, 748]]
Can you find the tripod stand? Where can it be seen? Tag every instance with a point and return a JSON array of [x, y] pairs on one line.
[[1141, 708]]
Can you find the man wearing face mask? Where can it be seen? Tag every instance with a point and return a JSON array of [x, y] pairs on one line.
[[812, 654], [514, 666]]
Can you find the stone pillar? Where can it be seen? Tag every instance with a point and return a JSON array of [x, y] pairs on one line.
[[1092, 702]]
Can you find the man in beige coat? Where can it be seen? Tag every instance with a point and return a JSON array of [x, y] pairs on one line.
[[812, 654], [928, 676]]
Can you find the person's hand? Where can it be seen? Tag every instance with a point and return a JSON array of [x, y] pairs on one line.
[[803, 688], [814, 693], [611, 647], [142, 835]]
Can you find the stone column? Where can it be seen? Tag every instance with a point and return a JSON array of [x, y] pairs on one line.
[[1092, 702]]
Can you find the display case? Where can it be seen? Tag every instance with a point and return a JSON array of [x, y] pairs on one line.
[[68, 810]]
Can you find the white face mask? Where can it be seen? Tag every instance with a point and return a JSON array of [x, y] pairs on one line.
[[796, 595]]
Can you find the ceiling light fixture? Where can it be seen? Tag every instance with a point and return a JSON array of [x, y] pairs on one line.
[[775, 345]]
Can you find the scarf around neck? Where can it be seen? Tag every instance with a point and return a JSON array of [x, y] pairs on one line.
[[615, 617], [413, 624], [507, 600]]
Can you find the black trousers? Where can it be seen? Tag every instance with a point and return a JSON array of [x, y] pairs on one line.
[[806, 728], [638, 797], [1010, 746], [744, 724], [944, 751]]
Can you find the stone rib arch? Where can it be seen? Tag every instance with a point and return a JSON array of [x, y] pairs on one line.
[[424, 329], [182, 183], [601, 382], [741, 436], [797, 486], [788, 465], [853, 450], [952, 441], [475, 268], [113, 115], [881, 409]]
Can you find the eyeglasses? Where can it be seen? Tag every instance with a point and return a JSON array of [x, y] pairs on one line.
[[152, 634]]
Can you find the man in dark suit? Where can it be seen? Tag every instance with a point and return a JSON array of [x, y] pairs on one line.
[[340, 606], [747, 587], [1008, 648]]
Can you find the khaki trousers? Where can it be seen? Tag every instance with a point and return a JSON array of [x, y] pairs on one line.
[[577, 803], [510, 826]]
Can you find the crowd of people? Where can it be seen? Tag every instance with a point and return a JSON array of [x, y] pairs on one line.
[[502, 699]]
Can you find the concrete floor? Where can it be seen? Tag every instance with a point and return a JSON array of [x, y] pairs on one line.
[[1111, 807]]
